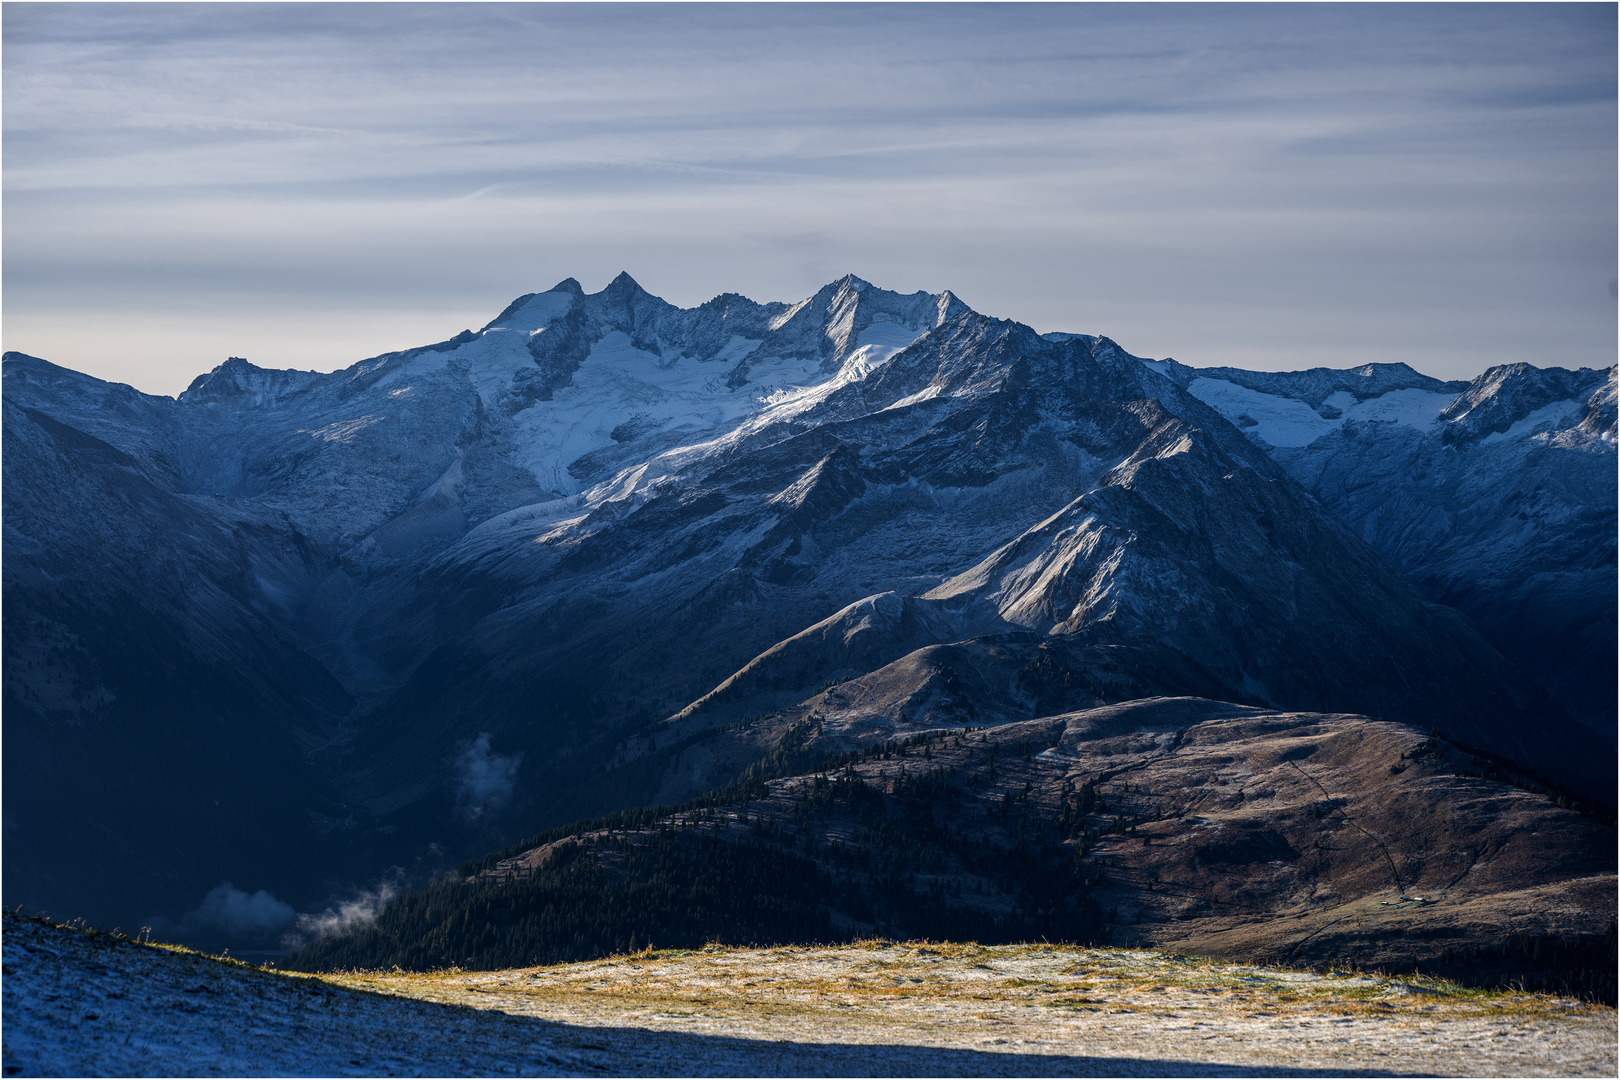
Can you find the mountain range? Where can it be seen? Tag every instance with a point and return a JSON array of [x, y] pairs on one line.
[[271, 638]]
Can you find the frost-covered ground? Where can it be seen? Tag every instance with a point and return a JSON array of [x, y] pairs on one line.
[[84, 1004]]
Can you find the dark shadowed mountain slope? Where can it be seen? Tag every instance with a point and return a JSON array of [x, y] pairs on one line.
[[1177, 823], [1175, 532], [147, 674], [448, 595], [1499, 500]]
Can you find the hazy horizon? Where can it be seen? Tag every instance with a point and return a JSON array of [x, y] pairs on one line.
[[1267, 187]]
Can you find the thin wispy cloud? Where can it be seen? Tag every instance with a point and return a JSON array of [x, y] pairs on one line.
[[1261, 185]]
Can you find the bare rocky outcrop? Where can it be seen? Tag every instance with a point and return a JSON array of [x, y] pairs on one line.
[[599, 532]]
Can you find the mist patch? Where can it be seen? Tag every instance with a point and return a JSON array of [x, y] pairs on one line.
[[345, 916], [485, 781], [239, 914]]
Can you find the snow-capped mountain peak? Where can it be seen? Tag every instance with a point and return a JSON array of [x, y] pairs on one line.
[[548, 536]]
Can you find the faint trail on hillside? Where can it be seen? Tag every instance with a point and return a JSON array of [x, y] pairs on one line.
[[1399, 888]]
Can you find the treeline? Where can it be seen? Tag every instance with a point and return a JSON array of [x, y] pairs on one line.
[[1487, 766], [1584, 966], [674, 890], [789, 758], [912, 855], [720, 869]]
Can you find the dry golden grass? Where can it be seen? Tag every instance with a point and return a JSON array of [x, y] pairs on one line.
[[1051, 976], [81, 1003], [1047, 1000]]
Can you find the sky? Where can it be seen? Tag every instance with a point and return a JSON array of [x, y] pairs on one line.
[[1266, 186]]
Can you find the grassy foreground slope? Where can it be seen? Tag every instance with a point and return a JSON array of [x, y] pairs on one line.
[[83, 1003], [1180, 823]]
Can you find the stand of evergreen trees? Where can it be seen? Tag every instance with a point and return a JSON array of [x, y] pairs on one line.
[[928, 849], [681, 883], [673, 890]]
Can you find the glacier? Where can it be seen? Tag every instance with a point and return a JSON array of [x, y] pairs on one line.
[[254, 628]]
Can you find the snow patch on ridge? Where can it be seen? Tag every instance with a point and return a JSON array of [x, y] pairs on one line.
[[890, 335], [735, 349], [539, 312], [1412, 407], [875, 347], [927, 393], [617, 383], [1279, 421], [1553, 416], [421, 366], [344, 431], [494, 360], [1283, 421]]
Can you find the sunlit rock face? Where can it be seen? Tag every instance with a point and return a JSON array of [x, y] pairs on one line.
[[284, 630]]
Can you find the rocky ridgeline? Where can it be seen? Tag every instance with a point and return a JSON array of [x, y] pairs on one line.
[[291, 629]]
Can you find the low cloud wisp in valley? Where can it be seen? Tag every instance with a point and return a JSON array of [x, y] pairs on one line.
[[236, 913], [345, 916], [485, 781]]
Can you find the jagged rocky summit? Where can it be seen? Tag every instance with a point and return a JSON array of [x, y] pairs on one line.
[[290, 624], [1496, 497]]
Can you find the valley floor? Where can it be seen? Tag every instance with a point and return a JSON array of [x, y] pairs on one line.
[[82, 1003]]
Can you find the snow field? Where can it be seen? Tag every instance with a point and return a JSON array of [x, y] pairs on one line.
[[1282, 421]]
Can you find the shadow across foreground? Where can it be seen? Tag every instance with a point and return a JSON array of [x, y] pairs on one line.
[[79, 1002]]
